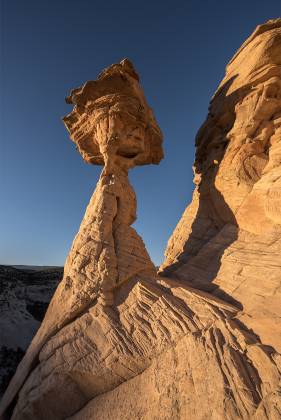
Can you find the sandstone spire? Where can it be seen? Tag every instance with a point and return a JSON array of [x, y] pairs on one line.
[[112, 125], [203, 340]]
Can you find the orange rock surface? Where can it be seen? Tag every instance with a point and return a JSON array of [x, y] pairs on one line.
[[228, 240]]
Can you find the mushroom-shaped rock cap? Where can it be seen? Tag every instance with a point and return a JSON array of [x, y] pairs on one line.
[[112, 110]]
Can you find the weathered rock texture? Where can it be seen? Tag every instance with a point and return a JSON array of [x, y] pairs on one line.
[[112, 125], [228, 240], [200, 341]]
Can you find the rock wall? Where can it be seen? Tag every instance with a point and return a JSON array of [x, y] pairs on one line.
[[228, 240]]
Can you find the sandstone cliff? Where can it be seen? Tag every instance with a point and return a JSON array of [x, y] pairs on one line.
[[200, 339], [228, 240]]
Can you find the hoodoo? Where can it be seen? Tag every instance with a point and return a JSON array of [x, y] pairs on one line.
[[201, 338]]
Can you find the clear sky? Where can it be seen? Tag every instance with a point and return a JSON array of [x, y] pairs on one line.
[[179, 48]]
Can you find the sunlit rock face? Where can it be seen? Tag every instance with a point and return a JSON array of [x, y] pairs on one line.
[[112, 125], [229, 238], [120, 341], [111, 122]]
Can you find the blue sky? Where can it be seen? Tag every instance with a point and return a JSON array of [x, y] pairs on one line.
[[179, 48]]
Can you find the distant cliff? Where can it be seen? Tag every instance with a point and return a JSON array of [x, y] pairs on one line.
[[24, 297]]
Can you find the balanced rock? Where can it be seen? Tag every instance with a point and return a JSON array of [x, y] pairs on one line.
[[120, 341], [112, 125]]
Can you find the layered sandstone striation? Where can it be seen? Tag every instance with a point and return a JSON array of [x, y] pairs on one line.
[[111, 124], [228, 240], [200, 339]]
